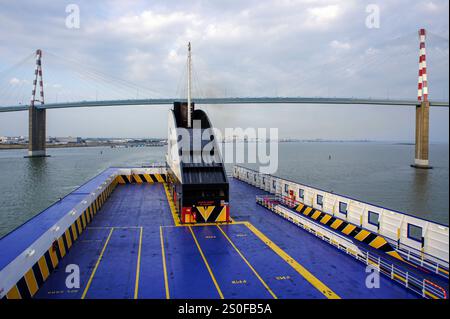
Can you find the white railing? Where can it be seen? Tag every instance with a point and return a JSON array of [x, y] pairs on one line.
[[432, 253], [412, 281]]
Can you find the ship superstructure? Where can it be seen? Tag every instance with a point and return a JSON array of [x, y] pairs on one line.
[[196, 173]]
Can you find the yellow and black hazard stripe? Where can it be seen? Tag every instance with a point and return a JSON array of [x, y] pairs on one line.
[[35, 277], [141, 178], [374, 240], [211, 214]]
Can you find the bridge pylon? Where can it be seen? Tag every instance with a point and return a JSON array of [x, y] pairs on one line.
[[36, 116], [421, 159]]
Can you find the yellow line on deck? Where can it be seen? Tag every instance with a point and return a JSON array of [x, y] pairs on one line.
[[115, 227], [204, 224], [96, 265], [248, 264], [206, 263], [175, 217], [138, 265], [294, 264], [166, 282]]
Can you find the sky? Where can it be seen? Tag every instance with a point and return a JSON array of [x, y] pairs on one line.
[[129, 49]]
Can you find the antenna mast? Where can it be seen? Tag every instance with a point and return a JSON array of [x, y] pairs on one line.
[[189, 115]]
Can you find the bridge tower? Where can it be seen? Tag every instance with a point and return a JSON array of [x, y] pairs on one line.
[[36, 116], [422, 110]]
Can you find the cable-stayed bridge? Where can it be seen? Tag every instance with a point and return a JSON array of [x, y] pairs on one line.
[[90, 87], [226, 100]]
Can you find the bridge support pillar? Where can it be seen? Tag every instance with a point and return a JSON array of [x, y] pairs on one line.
[[36, 132], [36, 116], [422, 136]]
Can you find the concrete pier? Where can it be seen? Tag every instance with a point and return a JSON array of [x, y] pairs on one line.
[[421, 159], [36, 132]]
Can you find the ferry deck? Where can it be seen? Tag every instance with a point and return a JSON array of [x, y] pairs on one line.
[[129, 243]]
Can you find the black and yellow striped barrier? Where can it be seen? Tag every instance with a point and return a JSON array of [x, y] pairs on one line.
[[34, 278], [211, 214], [141, 178], [374, 240]]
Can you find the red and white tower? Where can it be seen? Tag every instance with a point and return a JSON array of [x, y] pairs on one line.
[[38, 75], [422, 92], [37, 118], [422, 109]]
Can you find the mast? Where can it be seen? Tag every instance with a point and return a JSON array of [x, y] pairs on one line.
[[189, 120]]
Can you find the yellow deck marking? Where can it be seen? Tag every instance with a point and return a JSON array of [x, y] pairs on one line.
[[206, 263], [43, 267], [96, 265], [138, 265], [62, 249], [222, 215], [31, 282], [166, 281], [206, 224], [330, 294], [13, 293], [137, 178], [80, 230], [362, 235], [248, 264], [316, 214], [175, 217], [431, 295], [148, 178], [74, 231], [325, 219], [83, 219], [377, 242], [336, 223], [68, 239], [205, 211], [53, 257], [348, 229], [443, 270]]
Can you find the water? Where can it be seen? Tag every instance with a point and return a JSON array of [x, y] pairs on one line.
[[374, 172]]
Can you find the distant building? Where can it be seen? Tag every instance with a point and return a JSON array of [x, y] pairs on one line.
[[65, 140], [12, 140]]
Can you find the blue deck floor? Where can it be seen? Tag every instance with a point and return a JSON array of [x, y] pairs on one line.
[[120, 255], [342, 273]]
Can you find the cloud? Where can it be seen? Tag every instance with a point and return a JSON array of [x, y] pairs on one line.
[[335, 44], [240, 48], [16, 81], [323, 16]]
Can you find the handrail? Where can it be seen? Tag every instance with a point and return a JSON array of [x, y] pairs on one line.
[[419, 258], [411, 254], [421, 286]]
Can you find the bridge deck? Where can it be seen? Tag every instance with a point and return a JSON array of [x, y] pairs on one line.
[[133, 249]]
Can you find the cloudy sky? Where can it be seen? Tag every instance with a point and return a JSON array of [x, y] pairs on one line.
[[127, 49]]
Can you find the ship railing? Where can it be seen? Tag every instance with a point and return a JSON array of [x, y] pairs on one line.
[[155, 165], [433, 255], [412, 281], [436, 265], [419, 258]]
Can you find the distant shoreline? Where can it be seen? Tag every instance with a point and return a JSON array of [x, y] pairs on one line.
[[24, 146]]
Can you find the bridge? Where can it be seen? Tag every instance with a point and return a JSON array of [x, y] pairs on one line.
[[226, 100], [37, 108]]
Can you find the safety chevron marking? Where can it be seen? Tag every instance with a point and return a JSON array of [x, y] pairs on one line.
[[35, 277], [141, 178], [211, 214], [205, 211], [374, 240]]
